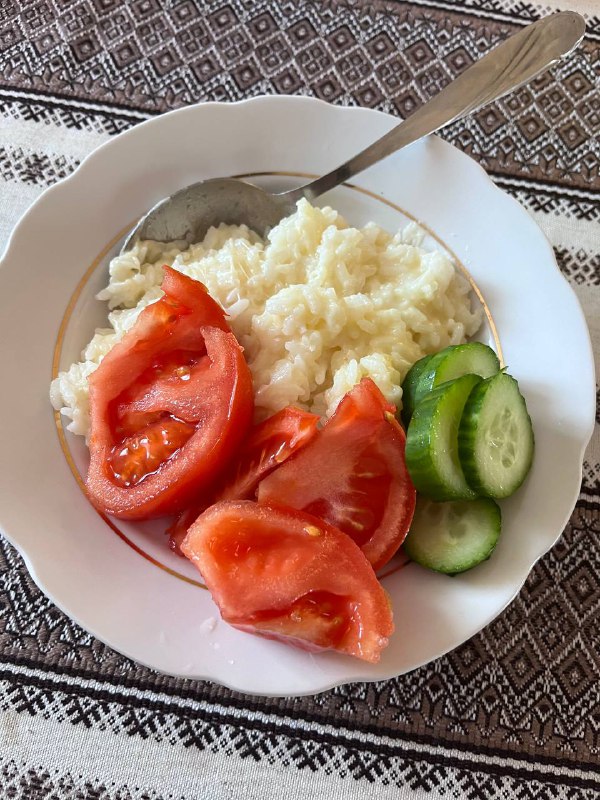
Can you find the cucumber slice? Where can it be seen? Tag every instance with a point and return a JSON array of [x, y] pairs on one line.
[[473, 358], [495, 439], [432, 442], [409, 388], [453, 537]]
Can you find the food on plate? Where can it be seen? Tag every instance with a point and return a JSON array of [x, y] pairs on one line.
[[316, 307], [310, 333], [287, 575], [352, 474], [455, 536], [451, 362], [268, 445], [169, 403], [495, 437], [469, 439], [432, 442]]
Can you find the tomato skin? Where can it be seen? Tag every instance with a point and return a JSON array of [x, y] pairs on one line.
[[159, 329], [353, 475], [268, 445], [286, 575], [213, 404], [192, 294]]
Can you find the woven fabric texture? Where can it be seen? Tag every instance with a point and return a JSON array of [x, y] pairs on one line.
[[515, 711]]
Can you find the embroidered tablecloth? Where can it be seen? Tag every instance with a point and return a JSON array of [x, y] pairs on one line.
[[514, 712]]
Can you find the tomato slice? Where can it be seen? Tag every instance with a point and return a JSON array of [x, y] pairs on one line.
[[269, 444], [289, 576], [169, 405], [353, 475]]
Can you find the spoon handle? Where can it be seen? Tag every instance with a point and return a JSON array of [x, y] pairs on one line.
[[511, 64]]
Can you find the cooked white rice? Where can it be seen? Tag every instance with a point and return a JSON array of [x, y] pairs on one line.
[[317, 307]]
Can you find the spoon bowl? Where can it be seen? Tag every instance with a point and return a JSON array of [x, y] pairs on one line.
[[190, 212]]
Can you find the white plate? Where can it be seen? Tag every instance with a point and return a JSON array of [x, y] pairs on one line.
[[135, 603]]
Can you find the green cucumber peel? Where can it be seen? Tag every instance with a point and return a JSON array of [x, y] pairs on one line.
[[431, 452]]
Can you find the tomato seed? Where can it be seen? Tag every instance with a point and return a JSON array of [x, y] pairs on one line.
[[143, 453]]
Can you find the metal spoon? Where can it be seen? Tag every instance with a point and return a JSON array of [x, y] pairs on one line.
[[190, 212]]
